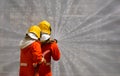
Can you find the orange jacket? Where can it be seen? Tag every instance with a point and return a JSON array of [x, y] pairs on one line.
[[30, 53], [49, 50]]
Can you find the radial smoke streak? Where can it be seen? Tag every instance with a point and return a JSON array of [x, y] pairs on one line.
[[88, 34]]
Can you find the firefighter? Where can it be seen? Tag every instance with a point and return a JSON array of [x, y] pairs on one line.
[[30, 52], [49, 49]]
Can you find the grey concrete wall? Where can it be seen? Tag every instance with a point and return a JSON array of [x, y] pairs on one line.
[[88, 33]]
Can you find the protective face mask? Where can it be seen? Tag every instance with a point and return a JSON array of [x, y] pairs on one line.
[[33, 36], [44, 37]]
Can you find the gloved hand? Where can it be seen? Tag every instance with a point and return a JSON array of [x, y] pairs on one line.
[[35, 65], [44, 61], [52, 40]]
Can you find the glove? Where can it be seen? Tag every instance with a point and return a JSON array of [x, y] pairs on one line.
[[35, 65]]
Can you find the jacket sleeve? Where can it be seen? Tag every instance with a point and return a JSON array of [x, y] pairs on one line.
[[37, 53], [55, 51]]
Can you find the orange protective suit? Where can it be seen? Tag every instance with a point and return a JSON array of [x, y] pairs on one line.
[[30, 53], [49, 50]]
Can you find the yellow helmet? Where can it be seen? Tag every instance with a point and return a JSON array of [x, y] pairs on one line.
[[45, 27], [34, 30]]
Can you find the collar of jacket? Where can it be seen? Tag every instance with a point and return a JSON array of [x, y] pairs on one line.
[[26, 42]]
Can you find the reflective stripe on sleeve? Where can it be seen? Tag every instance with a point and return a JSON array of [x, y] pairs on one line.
[[23, 64]]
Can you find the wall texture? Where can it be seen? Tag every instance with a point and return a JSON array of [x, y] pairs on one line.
[[88, 34]]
